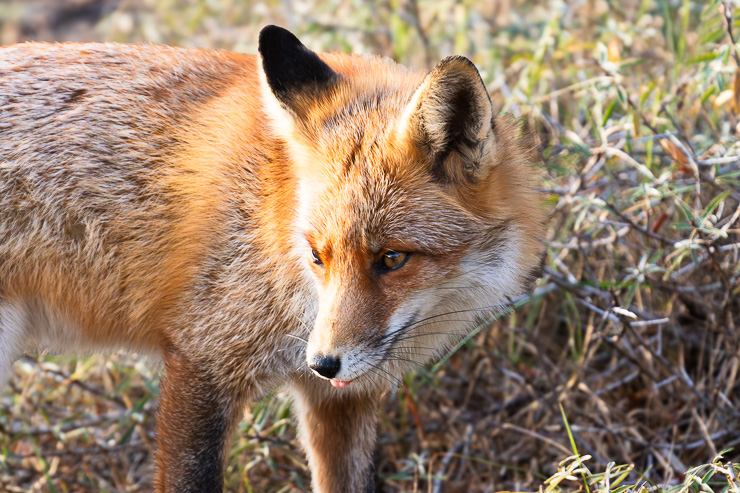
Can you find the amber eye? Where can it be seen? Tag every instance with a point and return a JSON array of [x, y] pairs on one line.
[[315, 257], [393, 260]]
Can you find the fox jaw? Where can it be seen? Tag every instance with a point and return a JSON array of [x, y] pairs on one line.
[[414, 217]]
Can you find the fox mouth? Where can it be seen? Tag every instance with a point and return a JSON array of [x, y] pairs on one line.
[[364, 361]]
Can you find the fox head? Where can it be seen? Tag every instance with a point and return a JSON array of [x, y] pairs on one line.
[[414, 214]]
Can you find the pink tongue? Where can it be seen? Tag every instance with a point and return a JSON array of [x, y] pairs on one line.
[[339, 384]]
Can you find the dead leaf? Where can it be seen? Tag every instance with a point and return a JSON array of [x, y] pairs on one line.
[[613, 50], [662, 218], [723, 98], [673, 150]]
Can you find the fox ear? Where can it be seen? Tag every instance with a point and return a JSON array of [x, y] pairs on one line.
[[293, 72], [450, 118]]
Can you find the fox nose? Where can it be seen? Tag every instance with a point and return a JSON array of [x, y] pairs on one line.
[[326, 366]]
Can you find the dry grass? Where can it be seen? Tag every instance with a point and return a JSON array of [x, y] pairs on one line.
[[632, 329]]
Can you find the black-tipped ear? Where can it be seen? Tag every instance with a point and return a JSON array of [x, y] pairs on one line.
[[291, 69], [450, 117]]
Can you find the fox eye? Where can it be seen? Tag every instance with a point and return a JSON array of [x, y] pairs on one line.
[[315, 257], [393, 260]]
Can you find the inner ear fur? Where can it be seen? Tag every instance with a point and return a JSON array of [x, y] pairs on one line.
[[450, 117]]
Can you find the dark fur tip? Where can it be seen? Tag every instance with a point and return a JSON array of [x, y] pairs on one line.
[[289, 66], [454, 59]]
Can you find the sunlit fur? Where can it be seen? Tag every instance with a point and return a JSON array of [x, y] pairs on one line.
[[162, 200]]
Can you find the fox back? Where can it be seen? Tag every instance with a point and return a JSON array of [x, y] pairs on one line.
[[323, 222]]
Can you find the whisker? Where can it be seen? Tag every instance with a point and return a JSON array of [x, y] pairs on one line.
[[424, 333], [454, 312], [404, 334], [413, 335], [456, 288], [408, 348], [393, 380], [414, 362], [405, 353]]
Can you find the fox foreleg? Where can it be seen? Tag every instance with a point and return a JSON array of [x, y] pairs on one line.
[[196, 421], [338, 429]]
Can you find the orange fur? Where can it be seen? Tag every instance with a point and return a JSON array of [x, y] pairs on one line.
[[172, 200]]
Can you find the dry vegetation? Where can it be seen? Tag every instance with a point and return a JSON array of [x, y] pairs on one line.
[[632, 329]]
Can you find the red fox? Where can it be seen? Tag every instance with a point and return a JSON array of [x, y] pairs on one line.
[[323, 222]]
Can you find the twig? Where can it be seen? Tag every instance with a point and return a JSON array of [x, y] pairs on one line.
[[77, 383], [442, 471], [613, 208], [728, 20]]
